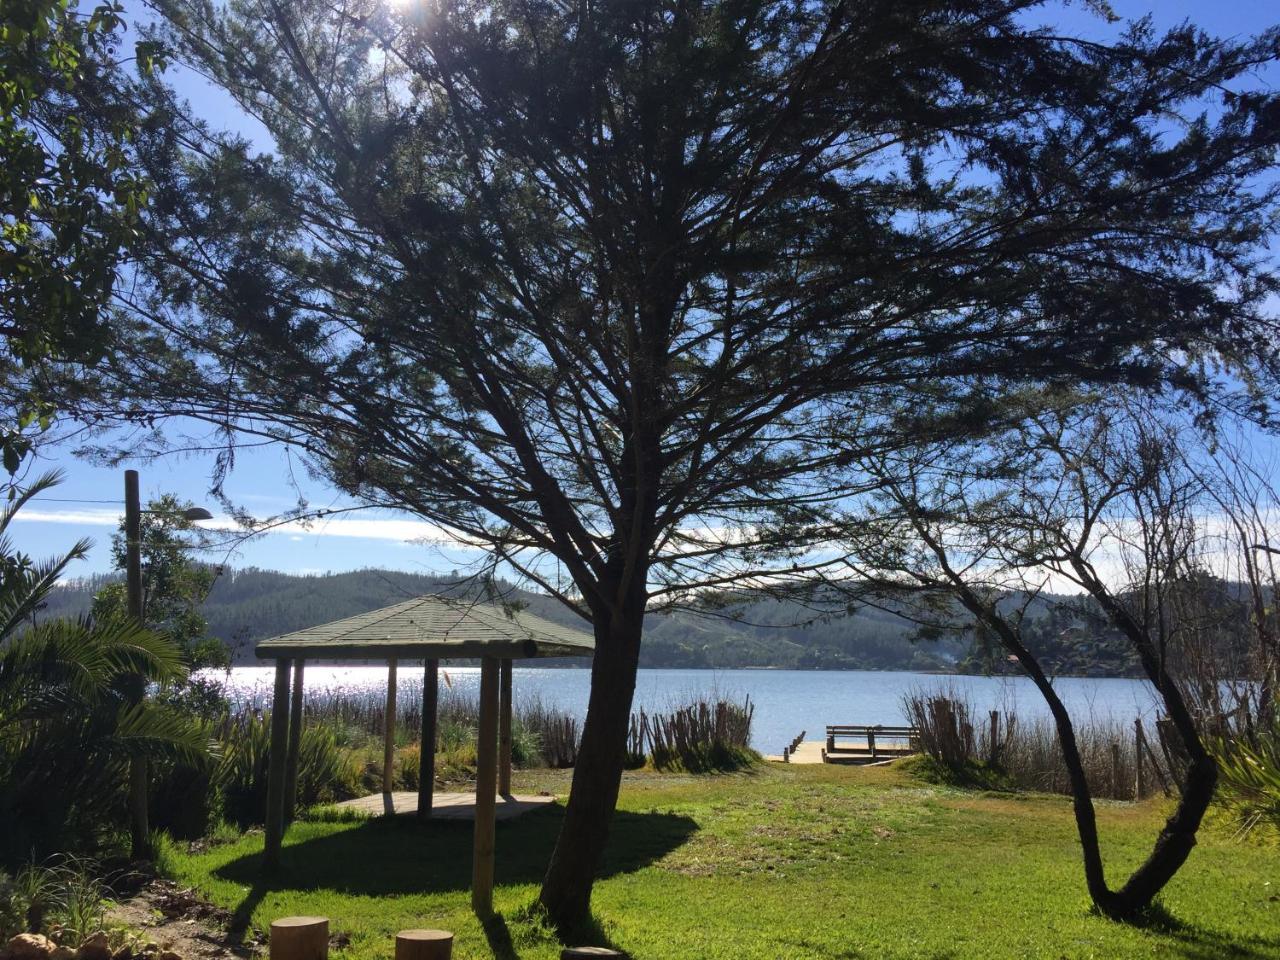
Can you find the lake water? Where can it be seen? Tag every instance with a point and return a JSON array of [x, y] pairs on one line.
[[786, 701]]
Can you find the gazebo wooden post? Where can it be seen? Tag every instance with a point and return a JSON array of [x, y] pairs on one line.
[[276, 765], [486, 784], [504, 729], [427, 745], [295, 743], [389, 738]]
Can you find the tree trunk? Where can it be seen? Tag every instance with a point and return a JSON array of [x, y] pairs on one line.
[[1081, 799], [566, 889], [1178, 837]]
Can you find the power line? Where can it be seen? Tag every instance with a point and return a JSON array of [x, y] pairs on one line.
[[70, 500]]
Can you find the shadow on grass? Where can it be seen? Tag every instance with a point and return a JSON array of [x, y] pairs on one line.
[[1194, 942], [499, 937], [384, 857]]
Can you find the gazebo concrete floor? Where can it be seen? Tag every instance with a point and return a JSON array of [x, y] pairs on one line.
[[447, 806]]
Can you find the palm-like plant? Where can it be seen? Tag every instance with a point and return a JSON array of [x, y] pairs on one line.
[[1249, 778], [67, 726]]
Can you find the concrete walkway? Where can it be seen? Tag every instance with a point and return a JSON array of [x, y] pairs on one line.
[[445, 806]]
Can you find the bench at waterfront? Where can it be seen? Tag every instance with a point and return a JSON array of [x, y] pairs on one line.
[[876, 740]]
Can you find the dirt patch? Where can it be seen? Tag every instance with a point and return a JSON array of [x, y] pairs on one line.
[[178, 919]]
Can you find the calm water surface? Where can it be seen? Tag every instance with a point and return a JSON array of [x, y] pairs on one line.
[[786, 701]]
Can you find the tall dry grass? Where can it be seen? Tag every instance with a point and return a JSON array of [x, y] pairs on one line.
[[1027, 754], [703, 735]]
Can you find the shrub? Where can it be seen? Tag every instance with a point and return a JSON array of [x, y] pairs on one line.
[[1249, 778], [324, 773], [409, 767], [68, 725], [65, 890], [946, 733], [699, 737], [1022, 755]]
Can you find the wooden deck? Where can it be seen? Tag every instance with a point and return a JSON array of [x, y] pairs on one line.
[[446, 806]]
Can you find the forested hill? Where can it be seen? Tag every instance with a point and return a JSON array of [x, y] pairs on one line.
[[248, 605]]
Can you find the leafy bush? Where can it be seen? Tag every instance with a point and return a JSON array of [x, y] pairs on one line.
[[64, 890], [1249, 778], [409, 762], [68, 726], [240, 776], [526, 744], [13, 911]]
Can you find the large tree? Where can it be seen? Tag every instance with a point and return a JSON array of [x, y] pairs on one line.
[[69, 195], [604, 286]]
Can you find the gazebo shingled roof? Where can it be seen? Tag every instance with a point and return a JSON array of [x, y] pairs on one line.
[[432, 627]]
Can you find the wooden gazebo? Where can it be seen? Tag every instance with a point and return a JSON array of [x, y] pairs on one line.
[[431, 629]]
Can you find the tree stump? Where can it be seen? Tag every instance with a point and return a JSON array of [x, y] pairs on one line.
[[586, 953], [424, 945], [300, 938]]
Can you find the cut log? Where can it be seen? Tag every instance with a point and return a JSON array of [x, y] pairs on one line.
[[424, 945], [300, 938]]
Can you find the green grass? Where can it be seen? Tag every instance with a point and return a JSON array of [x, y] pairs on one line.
[[777, 862]]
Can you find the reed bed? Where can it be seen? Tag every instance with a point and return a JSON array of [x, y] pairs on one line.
[[999, 746], [699, 736], [541, 734]]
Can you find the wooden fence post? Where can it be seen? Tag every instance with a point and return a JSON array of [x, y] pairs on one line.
[[486, 788], [276, 761], [295, 743], [427, 742], [1140, 780], [389, 738], [504, 727]]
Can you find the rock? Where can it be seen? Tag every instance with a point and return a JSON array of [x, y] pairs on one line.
[[95, 947], [124, 953], [29, 946], [150, 947], [168, 955], [62, 953]]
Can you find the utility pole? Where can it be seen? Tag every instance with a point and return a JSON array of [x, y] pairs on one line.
[[140, 831]]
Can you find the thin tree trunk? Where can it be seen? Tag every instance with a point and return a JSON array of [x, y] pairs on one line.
[[566, 889], [1178, 837], [1081, 798]]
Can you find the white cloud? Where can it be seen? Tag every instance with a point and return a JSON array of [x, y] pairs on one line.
[[363, 528]]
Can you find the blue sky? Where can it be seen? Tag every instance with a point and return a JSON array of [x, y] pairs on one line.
[[267, 482]]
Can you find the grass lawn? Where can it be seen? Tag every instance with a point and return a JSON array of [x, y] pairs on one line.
[[778, 862]]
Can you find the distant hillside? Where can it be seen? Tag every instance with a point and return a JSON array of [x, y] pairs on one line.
[[248, 605], [1068, 634]]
